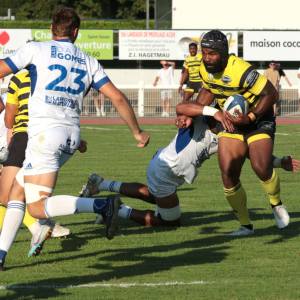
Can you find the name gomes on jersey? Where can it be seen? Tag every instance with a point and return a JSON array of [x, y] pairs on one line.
[[58, 52]]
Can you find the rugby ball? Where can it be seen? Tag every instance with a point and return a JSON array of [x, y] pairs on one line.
[[236, 102]]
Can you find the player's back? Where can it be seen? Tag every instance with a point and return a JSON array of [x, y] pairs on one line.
[[61, 75], [190, 148]]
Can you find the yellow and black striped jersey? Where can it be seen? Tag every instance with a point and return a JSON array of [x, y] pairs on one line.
[[192, 63], [18, 93], [239, 77]]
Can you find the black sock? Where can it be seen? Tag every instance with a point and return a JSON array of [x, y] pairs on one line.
[[280, 203], [250, 226]]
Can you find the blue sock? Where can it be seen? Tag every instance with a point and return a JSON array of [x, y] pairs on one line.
[[2, 256], [99, 205]]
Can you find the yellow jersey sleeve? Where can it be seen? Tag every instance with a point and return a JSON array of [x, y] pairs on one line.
[[13, 91], [251, 80]]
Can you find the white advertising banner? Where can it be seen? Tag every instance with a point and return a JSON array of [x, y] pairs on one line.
[[164, 44], [272, 45]]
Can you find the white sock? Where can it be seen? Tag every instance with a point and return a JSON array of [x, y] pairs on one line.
[[13, 219], [125, 212], [97, 109], [68, 205], [112, 186], [33, 227], [102, 108]]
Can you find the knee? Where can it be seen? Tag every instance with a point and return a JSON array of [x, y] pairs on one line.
[[230, 177], [262, 171]]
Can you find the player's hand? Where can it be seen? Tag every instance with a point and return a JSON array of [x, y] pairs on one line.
[[143, 137], [180, 89], [241, 119], [183, 122], [219, 116], [154, 84], [82, 148], [290, 85], [288, 163]]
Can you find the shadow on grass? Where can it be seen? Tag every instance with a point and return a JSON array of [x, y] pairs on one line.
[[141, 261]]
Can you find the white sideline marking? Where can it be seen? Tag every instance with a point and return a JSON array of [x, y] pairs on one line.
[[122, 285], [99, 128]]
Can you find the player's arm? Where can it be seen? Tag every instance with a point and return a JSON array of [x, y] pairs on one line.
[[82, 147], [184, 77], [2, 107], [205, 96], [287, 163], [121, 103], [10, 112], [4, 69], [193, 109]]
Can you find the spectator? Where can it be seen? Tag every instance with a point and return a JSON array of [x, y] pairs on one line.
[[166, 75], [281, 73], [273, 76]]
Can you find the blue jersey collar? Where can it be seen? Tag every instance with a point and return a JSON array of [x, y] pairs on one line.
[[65, 40]]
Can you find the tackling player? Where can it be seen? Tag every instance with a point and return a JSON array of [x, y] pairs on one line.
[[61, 75], [192, 64], [170, 168], [224, 75]]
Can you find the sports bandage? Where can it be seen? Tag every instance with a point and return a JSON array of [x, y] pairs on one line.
[[277, 162], [209, 111], [20, 177], [32, 192], [168, 214]]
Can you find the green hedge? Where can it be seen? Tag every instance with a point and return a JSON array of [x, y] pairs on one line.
[[84, 24]]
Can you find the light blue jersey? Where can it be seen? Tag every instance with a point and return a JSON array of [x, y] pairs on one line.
[[61, 75]]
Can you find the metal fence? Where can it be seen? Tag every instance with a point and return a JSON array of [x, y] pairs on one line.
[[146, 101]]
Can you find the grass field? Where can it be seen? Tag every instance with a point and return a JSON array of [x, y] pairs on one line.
[[196, 261]]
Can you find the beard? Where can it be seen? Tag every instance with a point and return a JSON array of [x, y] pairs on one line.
[[213, 68]]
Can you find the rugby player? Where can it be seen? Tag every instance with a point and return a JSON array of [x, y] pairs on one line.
[[61, 75], [192, 64], [224, 75], [16, 118], [170, 168]]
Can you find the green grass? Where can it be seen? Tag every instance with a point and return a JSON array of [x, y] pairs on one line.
[[264, 266]]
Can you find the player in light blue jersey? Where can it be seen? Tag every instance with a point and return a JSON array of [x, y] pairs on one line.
[[61, 75]]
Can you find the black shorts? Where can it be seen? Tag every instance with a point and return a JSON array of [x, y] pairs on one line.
[[17, 148], [193, 86], [265, 127]]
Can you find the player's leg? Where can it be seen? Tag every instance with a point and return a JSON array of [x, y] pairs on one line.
[[188, 95], [169, 97], [261, 162], [167, 213], [231, 155]]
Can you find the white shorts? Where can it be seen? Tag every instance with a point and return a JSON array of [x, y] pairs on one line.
[[161, 180], [49, 150], [166, 94]]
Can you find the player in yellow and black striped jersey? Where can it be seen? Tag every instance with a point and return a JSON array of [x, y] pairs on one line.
[[253, 133], [192, 64]]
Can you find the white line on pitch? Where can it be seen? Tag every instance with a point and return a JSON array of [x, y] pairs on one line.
[[99, 128], [122, 285]]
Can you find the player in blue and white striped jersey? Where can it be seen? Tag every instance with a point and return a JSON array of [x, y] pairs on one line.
[[61, 75]]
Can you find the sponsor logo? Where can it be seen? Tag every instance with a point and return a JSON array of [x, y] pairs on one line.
[[196, 57], [251, 78], [203, 156], [28, 167], [4, 38], [200, 138], [53, 51], [69, 142], [210, 76], [226, 79]]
